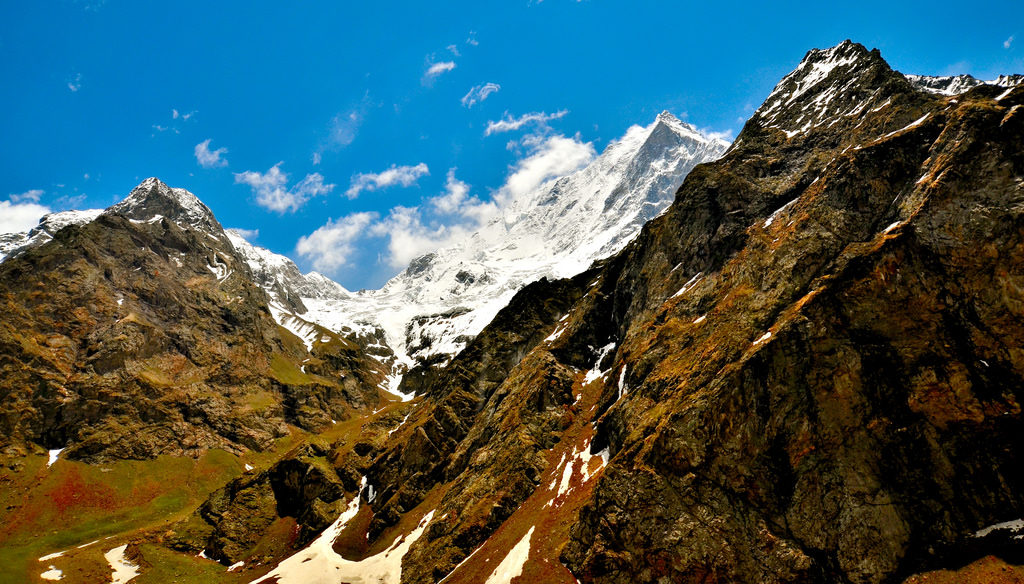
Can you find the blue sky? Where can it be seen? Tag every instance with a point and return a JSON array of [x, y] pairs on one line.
[[354, 135]]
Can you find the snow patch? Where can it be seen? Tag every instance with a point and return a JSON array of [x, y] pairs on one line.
[[595, 373], [52, 574], [771, 218], [1016, 526], [913, 124], [319, 564], [892, 226], [689, 284], [53, 456], [400, 424], [48, 557], [123, 569], [763, 338], [512, 565]]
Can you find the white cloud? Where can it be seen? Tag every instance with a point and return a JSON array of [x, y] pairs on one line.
[[479, 93], [18, 217], [246, 234], [30, 195], [1008, 42], [549, 157], [272, 192], [436, 69], [75, 82], [472, 39], [409, 238], [456, 202], [449, 217], [509, 124], [210, 158], [395, 175], [454, 50], [329, 247], [454, 215], [724, 135], [175, 114], [316, 158]]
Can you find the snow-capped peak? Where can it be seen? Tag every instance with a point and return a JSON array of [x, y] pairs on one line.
[[48, 226], [281, 278], [154, 198], [956, 84], [557, 230], [827, 86]]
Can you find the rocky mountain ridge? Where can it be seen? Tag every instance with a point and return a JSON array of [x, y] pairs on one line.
[[806, 369], [139, 331]]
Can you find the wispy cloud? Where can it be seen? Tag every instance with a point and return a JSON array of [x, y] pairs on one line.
[[453, 49], [471, 40], [395, 175], [434, 70], [455, 214], [479, 93], [75, 82], [724, 135], [330, 246], [210, 158], [1008, 42], [509, 124], [344, 128], [177, 118], [272, 192], [18, 217], [246, 234], [29, 195]]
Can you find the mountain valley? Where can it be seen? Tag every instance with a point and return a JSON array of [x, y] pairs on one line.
[[793, 358]]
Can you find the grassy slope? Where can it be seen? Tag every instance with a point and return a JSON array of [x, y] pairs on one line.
[[70, 504]]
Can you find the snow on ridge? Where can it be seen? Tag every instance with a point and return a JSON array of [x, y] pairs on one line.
[[950, 85], [556, 231], [48, 226]]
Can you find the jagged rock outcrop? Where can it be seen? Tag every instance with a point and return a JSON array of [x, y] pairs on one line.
[[142, 333], [806, 370]]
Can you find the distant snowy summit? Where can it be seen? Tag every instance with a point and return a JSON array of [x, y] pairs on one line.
[[443, 299], [957, 84]]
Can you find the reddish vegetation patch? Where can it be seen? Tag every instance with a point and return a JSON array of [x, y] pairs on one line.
[[351, 543], [73, 492], [988, 570]]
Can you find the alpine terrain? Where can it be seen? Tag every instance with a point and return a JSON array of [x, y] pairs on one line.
[[795, 358]]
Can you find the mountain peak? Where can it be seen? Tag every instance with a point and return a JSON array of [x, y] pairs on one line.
[[153, 198], [827, 84]]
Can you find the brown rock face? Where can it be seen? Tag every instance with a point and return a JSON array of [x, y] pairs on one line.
[[130, 337], [807, 370]]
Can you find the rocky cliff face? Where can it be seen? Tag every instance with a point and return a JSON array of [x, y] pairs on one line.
[[806, 370], [142, 333]]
